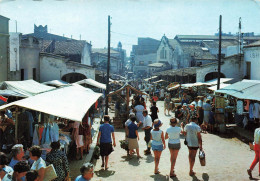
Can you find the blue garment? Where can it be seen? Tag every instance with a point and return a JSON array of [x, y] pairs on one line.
[[132, 127], [13, 163], [54, 132], [211, 117], [30, 118], [80, 178], [251, 110], [184, 101], [36, 136], [157, 147], [8, 169], [47, 135], [106, 130], [156, 137]]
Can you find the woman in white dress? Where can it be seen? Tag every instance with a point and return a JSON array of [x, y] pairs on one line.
[[78, 138]]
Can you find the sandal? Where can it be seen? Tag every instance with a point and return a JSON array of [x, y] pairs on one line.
[[173, 175], [249, 173], [192, 173]]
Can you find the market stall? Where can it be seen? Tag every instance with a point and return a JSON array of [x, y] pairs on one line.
[[35, 114], [241, 98], [92, 83], [123, 94]]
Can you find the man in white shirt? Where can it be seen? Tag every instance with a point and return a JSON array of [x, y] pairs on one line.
[[194, 141], [147, 127]]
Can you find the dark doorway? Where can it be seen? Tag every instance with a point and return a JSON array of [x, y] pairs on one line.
[[73, 77], [213, 75]]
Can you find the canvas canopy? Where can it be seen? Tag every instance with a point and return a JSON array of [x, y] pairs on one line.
[[193, 84], [245, 89], [93, 83], [26, 88], [69, 102], [154, 77], [56, 83], [174, 87], [214, 88], [159, 81], [11, 93], [222, 80]]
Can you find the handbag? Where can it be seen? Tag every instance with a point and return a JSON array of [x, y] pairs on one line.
[[202, 158], [50, 173], [185, 142]]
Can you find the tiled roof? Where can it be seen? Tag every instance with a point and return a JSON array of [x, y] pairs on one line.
[[255, 44], [194, 49], [172, 72], [69, 47], [47, 36], [224, 43], [44, 44], [173, 43], [103, 51], [148, 57], [156, 65], [203, 37]]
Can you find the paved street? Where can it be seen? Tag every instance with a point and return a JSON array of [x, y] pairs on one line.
[[226, 159]]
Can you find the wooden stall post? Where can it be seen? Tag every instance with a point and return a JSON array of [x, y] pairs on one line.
[[127, 99], [16, 124]]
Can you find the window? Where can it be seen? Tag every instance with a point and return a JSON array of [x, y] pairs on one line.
[[163, 53], [22, 74], [34, 73], [141, 63], [248, 70]]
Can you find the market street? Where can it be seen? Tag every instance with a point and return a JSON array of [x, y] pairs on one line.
[[226, 159]]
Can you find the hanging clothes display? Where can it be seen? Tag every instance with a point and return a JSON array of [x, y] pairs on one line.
[[31, 121], [240, 107], [256, 110], [36, 135], [251, 111], [54, 132]]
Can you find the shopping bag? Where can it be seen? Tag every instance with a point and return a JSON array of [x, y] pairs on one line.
[[50, 173], [202, 158]]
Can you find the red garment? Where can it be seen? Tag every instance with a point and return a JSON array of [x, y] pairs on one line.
[[257, 156], [96, 104], [40, 132], [155, 98], [247, 102]]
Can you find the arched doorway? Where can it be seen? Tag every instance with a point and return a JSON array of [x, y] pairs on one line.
[[73, 77], [213, 75]]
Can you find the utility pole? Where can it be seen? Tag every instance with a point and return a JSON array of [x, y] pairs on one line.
[[16, 26], [108, 66], [219, 51], [240, 39]]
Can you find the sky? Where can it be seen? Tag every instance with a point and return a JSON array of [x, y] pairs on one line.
[[131, 18]]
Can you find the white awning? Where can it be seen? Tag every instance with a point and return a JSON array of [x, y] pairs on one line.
[[194, 84], [26, 88], [245, 89], [93, 83], [69, 102], [56, 83], [154, 77], [214, 88], [222, 80], [174, 87], [159, 81]]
